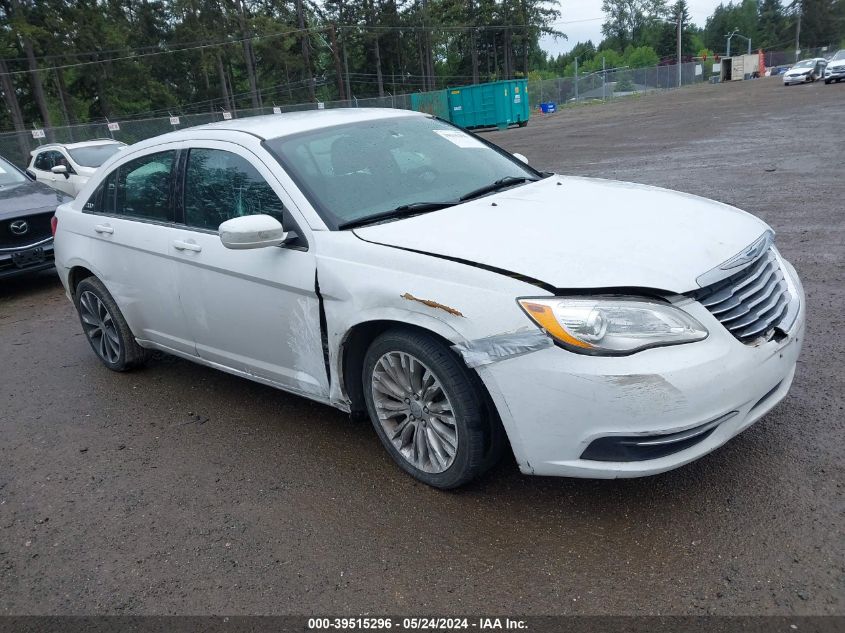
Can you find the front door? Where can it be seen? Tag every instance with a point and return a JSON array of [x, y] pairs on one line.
[[254, 311], [43, 170]]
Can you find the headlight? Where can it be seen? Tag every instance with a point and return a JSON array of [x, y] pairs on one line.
[[612, 327]]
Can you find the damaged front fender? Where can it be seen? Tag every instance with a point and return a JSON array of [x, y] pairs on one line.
[[492, 349]]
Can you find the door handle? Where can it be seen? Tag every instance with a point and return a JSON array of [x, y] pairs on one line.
[[179, 245], [104, 228]]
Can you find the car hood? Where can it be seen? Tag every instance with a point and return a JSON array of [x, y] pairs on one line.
[[836, 65], [575, 233], [28, 198], [796, 72]]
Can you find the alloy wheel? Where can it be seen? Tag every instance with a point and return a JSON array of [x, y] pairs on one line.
[[99, 327], [414, 412]]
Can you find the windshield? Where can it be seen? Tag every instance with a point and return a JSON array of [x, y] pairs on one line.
[[839, 55], [354, 171], [805, 64], [10, 175], [94, 155]]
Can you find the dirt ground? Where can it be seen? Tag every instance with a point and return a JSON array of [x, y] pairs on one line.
[[180, 489]]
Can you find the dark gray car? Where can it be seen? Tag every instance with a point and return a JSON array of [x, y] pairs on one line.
[[26, 210]]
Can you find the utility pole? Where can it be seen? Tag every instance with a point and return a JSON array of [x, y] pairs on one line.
[[603, 80], [576, 80], [680, 67], [346, 71], [799, 11]]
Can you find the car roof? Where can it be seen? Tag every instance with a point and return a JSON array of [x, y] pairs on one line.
[[91, 143], [269, 126], [276, 125]]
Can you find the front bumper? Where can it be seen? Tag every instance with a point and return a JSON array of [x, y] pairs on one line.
[[835, 73], [10, 268], [554, 404], [797, 79]]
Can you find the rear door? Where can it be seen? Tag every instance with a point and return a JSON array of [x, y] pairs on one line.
[[131, 224], [255, 311]]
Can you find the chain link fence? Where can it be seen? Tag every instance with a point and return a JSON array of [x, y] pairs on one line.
[[616, 82], [602, 85]]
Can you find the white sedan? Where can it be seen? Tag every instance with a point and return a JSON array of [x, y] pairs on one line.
[[391, 265], [805, 71]]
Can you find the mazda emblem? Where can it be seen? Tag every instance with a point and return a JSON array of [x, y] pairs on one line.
[[19, 227]]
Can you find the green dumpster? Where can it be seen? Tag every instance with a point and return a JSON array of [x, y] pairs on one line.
[[436, 103], [499, 104]]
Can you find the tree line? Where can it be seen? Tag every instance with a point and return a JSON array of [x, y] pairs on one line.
[[69, 61], [640, 33], [65, 61]]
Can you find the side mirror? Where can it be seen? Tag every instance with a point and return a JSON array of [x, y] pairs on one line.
[[60, 169], [252, 231], [521, 158]]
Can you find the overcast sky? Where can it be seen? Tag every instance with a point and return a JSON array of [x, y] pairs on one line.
[[581, 20]]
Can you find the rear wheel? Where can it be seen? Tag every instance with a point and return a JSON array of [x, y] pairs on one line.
[[426, 409], [105, 328]]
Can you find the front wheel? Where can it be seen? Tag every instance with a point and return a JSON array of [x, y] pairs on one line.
[[426, 409], [105, 328]]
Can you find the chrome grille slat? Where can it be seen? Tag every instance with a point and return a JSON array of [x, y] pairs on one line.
[[724, 290], [751, 302], [755, 315], [775, 314], [738, 297]]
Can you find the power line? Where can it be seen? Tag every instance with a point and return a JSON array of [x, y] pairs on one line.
[[220, 43]]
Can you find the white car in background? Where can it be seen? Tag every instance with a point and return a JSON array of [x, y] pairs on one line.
[[389, 264], [835, 70], [67, 167], [805, 71]]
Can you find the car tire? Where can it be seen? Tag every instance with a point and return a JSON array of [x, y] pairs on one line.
[[106, 328], [827, 82], [406, 371]]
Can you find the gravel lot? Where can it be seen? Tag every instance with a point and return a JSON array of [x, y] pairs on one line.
[[179, 489]]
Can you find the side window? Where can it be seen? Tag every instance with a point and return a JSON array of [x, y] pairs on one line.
[[220, 185], [61, 159], [102, 200], [44, 161], [143, 187]]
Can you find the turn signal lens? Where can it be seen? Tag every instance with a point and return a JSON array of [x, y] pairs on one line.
[[545, 318], [54, 223]]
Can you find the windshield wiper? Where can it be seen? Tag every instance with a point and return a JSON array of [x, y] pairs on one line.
[[403, 210], [501, 183]]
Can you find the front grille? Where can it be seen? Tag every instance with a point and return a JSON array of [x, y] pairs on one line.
[[750, 303], [37, 229]]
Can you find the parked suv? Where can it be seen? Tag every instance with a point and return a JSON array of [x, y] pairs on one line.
[[26, 212], [68, 167], [835, 70], [390, 264]]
